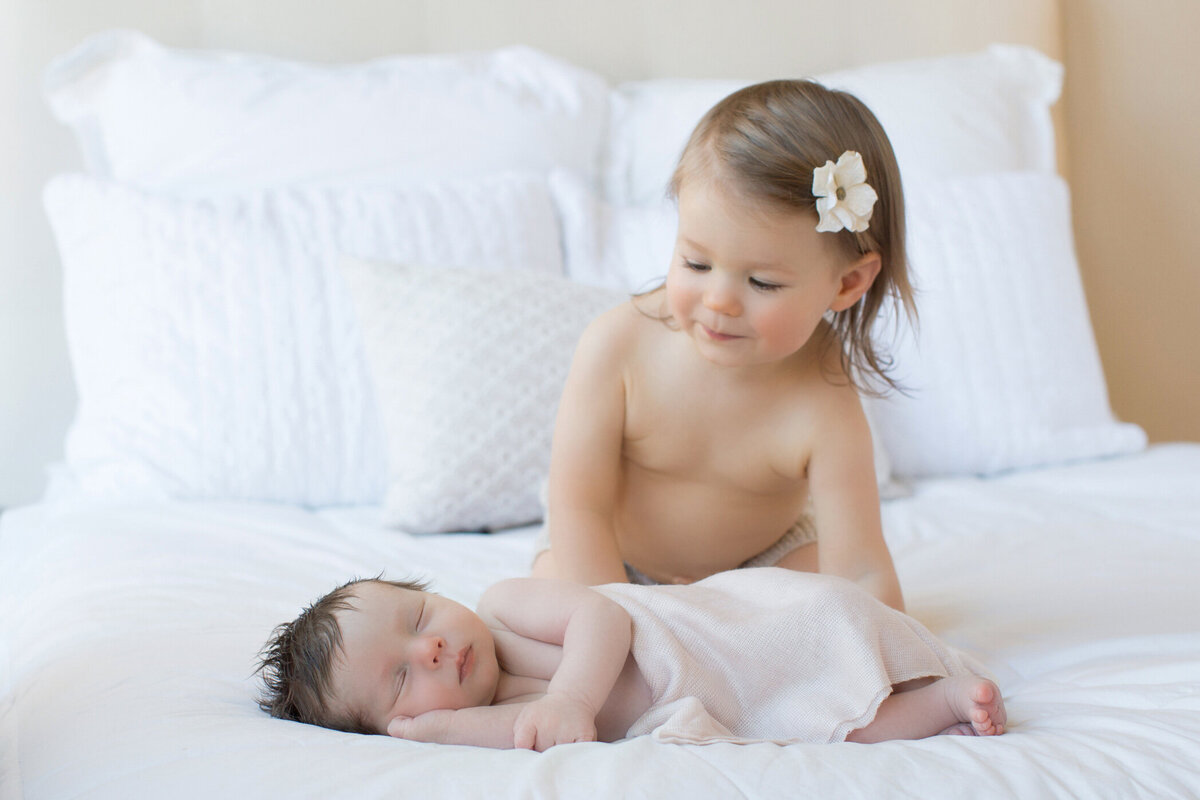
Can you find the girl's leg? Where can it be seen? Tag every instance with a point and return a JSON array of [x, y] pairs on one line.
[[963, 704]]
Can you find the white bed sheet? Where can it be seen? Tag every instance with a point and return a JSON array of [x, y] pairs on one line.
[[129, 638]]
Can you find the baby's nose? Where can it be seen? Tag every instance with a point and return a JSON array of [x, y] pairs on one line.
[[431, 650]]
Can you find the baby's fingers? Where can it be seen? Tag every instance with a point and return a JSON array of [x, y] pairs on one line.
[[398, 727], [524, 735]]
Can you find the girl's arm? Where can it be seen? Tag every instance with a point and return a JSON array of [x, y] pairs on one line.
[[845, 497], [585, 458], [595, 634]]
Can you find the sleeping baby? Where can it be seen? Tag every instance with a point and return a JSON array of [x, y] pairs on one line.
[[750, 655]]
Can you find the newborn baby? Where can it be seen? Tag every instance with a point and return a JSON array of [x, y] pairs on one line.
[[749, 655]]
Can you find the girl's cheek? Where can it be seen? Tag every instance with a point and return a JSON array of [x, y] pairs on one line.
[[673, 288], [679, 297]]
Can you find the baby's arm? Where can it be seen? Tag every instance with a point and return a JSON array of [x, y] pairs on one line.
[[845, 497], [586, 457], [595, 635], [481, 726]]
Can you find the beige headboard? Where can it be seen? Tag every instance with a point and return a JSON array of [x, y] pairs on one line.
[[622, 39]]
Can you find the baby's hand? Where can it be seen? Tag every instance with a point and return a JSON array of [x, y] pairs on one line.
[[554, 719], [432, 726]]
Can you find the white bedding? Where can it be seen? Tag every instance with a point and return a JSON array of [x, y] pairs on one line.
[[130, 633]]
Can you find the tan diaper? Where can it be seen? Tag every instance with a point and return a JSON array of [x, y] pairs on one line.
[[803, 532]]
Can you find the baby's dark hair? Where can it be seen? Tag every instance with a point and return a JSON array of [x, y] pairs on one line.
[[296, 663], [765, 141]]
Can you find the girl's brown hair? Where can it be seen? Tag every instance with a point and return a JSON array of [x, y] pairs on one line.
[[766, 140]]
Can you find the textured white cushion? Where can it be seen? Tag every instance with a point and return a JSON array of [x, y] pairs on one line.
[[204, 121], [213, 343], [955, 115], [1004, 370], [468, 367]]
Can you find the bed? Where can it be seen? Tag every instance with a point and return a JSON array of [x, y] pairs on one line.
[[318, 325]]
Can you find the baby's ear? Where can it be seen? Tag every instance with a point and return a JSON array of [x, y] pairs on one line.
[[857, 278]]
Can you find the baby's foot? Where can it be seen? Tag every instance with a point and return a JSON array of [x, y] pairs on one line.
[[977, 704]]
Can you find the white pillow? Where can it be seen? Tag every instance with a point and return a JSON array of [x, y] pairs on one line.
[[979, 113], [607, 244], [1004, 369], [990, 393], [207, 122], [468, 367], [213, 344], [954, 115]]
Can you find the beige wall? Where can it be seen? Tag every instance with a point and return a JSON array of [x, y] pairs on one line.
[[1132, 110]]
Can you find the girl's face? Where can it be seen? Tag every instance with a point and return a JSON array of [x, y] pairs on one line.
[[404, 653], [749, 284]]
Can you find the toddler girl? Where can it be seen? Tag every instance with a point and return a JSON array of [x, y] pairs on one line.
[[715, 422]]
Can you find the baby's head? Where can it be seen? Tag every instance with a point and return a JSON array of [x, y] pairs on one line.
[[373, 650], [762, 145]]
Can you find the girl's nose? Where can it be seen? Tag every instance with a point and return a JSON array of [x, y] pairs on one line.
[[722, 298]]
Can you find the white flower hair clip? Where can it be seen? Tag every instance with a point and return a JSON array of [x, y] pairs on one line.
[[844, 198]]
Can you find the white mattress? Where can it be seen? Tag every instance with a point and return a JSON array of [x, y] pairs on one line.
[[129, 638]]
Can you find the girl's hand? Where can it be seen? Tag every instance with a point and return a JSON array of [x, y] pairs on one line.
[[554, 719]]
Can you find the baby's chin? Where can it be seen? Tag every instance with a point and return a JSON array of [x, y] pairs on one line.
[[491, 673]]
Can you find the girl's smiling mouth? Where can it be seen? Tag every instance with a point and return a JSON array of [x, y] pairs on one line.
[[718, 337]]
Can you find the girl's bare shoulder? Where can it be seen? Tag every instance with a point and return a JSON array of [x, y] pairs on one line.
[[626, 327]]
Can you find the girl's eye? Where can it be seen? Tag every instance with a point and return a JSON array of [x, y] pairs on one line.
[[763, 286], [420, 617], [695, 266]]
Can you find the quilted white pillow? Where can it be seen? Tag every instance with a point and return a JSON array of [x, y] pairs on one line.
[[204, 121], [1004, 369], [468, 367], [955, 115], [213, 343]]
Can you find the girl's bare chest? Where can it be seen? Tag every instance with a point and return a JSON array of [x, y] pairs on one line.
[[707, 435]]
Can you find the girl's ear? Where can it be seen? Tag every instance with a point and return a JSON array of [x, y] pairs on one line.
[[856, 280]]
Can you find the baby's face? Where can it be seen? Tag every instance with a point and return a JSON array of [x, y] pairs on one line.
[[405, 653]]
